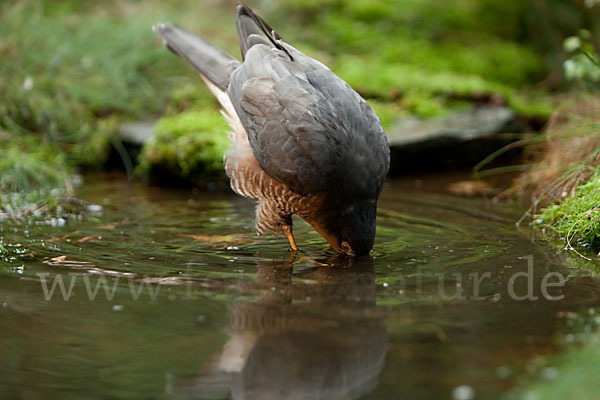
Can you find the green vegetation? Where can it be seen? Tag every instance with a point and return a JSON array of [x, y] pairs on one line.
[[187, 145], [25, 171], [564, 179], [577, 217], [564, 184], [428, 56], [584, 63], [3, 251]]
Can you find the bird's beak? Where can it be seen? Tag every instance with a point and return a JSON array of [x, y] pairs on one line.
[[338, 245], [345, 248], [331, 238]]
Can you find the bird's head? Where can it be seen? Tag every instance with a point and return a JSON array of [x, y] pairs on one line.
[[350, 227]]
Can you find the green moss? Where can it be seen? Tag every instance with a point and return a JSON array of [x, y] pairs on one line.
[[188, 144], [426, 54], [578, 216], [429, 93], [532, 104]]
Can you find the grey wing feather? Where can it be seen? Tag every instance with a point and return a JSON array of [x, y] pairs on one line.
[[210, 61], [306, 126]]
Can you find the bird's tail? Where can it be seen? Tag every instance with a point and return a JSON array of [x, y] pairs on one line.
[[253, 29], [214, 64]]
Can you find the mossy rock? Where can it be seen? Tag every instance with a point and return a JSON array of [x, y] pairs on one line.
[[576, 218], [188, 147]]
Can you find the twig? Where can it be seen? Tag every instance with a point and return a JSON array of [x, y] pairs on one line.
[[569, 247]]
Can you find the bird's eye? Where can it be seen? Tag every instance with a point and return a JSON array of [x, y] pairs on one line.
[[346, 248]]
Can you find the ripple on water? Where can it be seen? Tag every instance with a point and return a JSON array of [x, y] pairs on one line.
[[188, 302]]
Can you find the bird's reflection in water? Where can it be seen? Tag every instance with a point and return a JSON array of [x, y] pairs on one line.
[[312, 334]]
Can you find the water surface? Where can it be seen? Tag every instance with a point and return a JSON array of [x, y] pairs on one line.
[[169, 294]]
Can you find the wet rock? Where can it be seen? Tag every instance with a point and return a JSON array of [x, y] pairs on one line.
[[471, 188], [460, 139], [126, 148], [136, 133]]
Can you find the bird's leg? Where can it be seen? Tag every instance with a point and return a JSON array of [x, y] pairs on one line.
[[287, 230], [270, 218], [292, 260]]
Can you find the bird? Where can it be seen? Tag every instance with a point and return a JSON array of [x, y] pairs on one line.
[[303, 142]]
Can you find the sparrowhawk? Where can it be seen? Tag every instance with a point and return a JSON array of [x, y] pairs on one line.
[[302, 140]]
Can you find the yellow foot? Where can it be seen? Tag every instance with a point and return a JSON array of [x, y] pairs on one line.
[[288, 233]]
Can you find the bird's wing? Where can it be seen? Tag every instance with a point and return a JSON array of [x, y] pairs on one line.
[[212, 62], [307, 128]]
